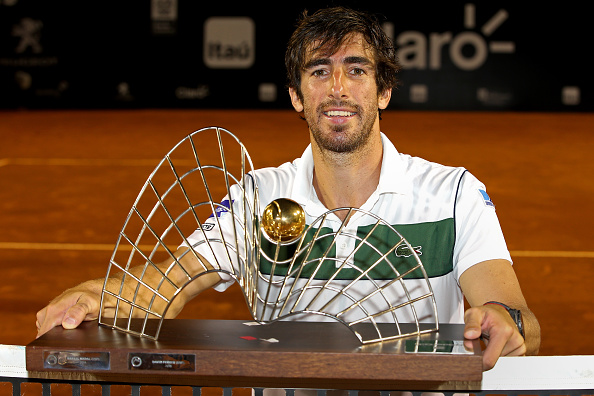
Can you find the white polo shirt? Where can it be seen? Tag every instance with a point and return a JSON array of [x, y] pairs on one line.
[[443, 212]]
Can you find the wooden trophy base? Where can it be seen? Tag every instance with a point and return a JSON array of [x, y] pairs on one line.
[[230, 353]]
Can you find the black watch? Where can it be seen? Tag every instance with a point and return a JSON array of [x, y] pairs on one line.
[[516, 315]]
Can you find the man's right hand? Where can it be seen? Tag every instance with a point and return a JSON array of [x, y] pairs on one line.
[[72, 307]]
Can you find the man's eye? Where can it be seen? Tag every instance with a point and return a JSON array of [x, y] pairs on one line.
[[318, 73], [358, 71]]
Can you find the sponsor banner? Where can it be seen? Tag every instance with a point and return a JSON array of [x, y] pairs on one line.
[[164, 17], [456, 55]]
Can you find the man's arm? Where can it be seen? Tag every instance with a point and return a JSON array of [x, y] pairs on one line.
[[82, 302], [495, 280]]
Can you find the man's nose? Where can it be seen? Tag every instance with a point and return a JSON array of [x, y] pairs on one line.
[[338, 84]]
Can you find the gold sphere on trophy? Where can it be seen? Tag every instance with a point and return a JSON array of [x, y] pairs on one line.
[[283, 220]]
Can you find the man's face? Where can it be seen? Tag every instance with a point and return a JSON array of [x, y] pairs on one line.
[[340, 98]]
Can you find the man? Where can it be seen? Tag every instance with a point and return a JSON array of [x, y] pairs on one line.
[[342, 69]]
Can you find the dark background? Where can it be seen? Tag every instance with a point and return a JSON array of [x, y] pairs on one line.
[[149, 54]]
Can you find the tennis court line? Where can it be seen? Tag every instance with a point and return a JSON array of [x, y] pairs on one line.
[[551, 253], [87, 162], [110, 247], [65, 246]]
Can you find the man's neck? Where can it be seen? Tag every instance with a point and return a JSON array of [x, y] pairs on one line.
[[347, 179]]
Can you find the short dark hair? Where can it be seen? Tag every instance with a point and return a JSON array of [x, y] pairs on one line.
[[328, 28]]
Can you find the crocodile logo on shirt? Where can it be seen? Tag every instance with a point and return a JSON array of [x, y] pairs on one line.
[[404, 251]]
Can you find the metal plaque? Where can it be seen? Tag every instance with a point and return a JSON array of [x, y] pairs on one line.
[[161, 361], [76, 360], [449, 347]]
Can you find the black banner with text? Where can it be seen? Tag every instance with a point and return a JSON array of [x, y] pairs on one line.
[[493, 55]]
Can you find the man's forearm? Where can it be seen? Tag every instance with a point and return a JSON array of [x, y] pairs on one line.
[[164, 288], [531, 331]]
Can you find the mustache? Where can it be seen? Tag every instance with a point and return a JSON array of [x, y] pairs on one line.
[[344, 104]]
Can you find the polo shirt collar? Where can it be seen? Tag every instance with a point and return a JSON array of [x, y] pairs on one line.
[[303, 191], [393, 179], [393, 176]]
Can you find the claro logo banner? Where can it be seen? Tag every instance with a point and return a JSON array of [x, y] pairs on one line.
[[420, 50]]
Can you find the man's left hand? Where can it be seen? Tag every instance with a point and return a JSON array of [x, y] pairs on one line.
[[498, 331]]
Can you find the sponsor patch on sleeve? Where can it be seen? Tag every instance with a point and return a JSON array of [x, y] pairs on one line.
[[224, 207], [486, 198]]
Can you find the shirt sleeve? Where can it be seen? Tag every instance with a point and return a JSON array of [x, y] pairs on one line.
[[478, 233], [221, 238]]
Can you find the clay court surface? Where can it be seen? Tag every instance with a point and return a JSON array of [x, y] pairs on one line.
[[69, 178]]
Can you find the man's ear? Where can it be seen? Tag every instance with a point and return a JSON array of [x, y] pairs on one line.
[[384, 98], [295, 100]]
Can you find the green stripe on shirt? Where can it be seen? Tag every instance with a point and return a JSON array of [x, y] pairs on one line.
[[433, 241]]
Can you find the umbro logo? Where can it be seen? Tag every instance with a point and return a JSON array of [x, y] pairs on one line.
[[206, 227]]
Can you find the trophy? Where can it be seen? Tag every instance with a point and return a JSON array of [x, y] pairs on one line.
[[203, 205]]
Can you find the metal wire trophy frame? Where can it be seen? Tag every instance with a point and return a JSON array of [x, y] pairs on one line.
[[286, 268]]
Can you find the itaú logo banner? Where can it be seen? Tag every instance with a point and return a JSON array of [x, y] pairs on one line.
[[229, 42], [467, 50]]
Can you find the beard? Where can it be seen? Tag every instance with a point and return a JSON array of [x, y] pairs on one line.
[[339, 139]]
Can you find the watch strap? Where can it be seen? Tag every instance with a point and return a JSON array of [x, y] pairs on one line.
[[515, 314]]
